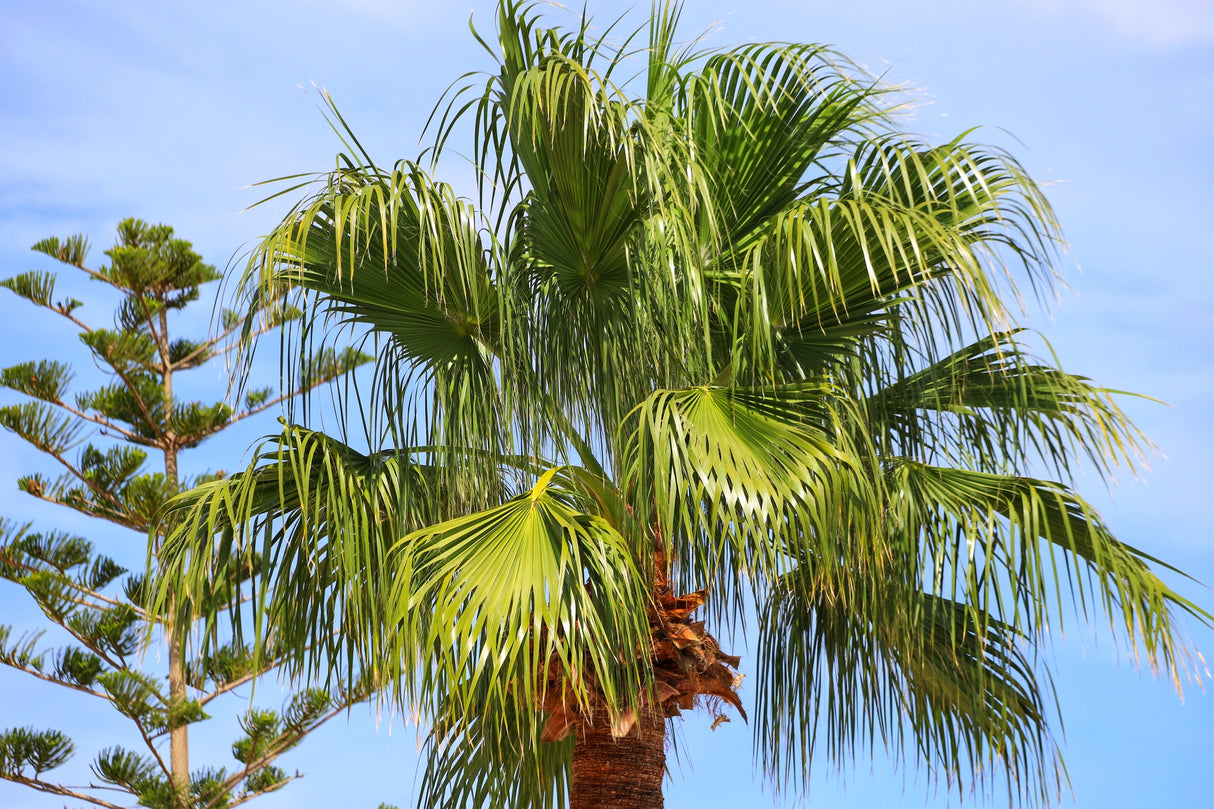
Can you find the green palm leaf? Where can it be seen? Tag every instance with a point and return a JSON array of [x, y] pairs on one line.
[[489, 603], [991, 406], [741, 481], [319, 518], [473, 761], [761, 118], [918, 676], [1005, 545], [399, 255]]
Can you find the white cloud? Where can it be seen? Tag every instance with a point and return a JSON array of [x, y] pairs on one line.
[[1154, 22]]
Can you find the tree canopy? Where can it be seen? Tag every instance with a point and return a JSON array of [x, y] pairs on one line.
[[107, 441], [720, 338]]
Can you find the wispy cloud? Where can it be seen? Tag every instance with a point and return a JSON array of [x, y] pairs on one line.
[[1152, 22]]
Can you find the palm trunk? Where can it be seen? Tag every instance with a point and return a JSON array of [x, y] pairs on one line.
[[626, 773]]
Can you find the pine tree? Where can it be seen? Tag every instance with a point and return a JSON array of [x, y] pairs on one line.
[[119, 446]]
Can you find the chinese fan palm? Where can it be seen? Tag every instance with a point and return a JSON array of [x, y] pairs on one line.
[[737, 349]]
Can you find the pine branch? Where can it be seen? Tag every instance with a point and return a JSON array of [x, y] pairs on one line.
[[261, 408], [326, 368], [86, 593], [105, 423], [61, 621], [105, 601], [248, 796], [41, 675], [285, 313], [208, 347], [143, 407], [102, 277], [56, 789], [282, 744], [149, 742], [219, 691], [133, 349], [266, 667], [34, 488], [110, 602], [45, 380], [72, 250], [115, 349], [39, 426], [38, 288], [39, 491]]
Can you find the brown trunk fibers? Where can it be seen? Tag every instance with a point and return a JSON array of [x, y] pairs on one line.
[[624, 773]]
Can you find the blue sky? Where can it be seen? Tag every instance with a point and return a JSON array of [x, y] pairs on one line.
[[167, 111]]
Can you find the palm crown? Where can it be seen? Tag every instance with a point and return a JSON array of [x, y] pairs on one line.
[[738, 345]]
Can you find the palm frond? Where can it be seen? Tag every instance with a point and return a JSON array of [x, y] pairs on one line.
[[993, 407], [318, 518], [735, 483], [472, 760], [399, 255], [917, 677], [926, 242], [496, 604], [1021, 550], [763, 119]]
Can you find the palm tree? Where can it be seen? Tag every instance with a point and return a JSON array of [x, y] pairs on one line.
[[734, 351]]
